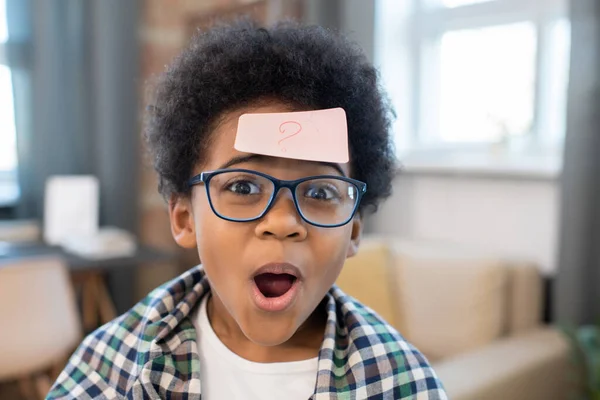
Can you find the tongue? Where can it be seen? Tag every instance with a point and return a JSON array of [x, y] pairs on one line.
[[274, 285]]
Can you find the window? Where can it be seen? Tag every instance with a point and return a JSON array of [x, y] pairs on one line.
[[475, 74], [9, 191], [486, 83]]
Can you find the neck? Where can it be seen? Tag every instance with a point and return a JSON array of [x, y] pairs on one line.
[[304, 344]]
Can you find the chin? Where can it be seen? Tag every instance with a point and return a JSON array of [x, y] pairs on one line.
[[269, 333]]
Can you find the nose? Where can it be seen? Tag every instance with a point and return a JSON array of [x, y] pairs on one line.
[[282, 221]]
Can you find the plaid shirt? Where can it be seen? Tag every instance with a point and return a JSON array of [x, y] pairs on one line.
[[150, 352]]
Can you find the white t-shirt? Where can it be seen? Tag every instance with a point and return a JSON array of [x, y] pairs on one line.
[[225, 375]]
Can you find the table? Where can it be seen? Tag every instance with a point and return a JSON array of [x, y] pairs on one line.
[[97, 306]]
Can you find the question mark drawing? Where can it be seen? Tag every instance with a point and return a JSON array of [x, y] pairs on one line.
[[289, 126]]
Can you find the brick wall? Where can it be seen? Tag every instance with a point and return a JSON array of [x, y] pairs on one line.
[[165, 28]]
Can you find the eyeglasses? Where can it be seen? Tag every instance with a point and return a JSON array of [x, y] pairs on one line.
[[242, 195]]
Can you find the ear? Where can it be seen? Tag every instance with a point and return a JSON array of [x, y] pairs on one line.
[[182, 221], [355, 236]]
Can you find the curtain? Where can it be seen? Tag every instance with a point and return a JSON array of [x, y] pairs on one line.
[[577, 287], [75, 77]]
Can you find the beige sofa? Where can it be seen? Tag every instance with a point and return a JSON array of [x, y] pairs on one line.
[[476, 317]]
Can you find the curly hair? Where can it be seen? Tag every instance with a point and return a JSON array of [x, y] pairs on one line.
[[233, 65]]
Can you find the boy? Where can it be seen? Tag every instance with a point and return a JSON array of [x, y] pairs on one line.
[[261, 318]]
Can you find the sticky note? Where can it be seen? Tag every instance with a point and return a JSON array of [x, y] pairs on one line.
[[319, 135]]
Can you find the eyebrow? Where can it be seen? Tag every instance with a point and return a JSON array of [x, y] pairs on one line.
[[261, 158]]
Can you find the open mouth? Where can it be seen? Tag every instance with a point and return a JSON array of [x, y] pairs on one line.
[[274, 285]]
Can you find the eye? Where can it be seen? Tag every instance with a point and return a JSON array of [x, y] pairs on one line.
[[322, 192], [243, 187]]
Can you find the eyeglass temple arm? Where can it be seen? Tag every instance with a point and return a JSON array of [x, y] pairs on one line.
[[196, 179]]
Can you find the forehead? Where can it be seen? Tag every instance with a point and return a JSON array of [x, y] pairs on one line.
[[221, 148]]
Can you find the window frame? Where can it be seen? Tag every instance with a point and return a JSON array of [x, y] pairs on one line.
[[401, 43]]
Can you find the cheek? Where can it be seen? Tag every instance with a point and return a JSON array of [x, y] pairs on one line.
[[215, 238], [213, 235], [330, 249]]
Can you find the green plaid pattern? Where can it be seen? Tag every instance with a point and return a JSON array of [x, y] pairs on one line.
[[150, 352]]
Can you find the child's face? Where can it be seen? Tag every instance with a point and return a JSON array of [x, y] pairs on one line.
[[232, 252]]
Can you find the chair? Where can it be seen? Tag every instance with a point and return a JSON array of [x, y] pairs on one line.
[[40, 322]]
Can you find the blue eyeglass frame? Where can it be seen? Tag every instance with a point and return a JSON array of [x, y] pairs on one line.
[[205, 177]]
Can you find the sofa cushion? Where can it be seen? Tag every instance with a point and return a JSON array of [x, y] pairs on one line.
[[531, 366], [369, 278], [525, 298], [452, 302]]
